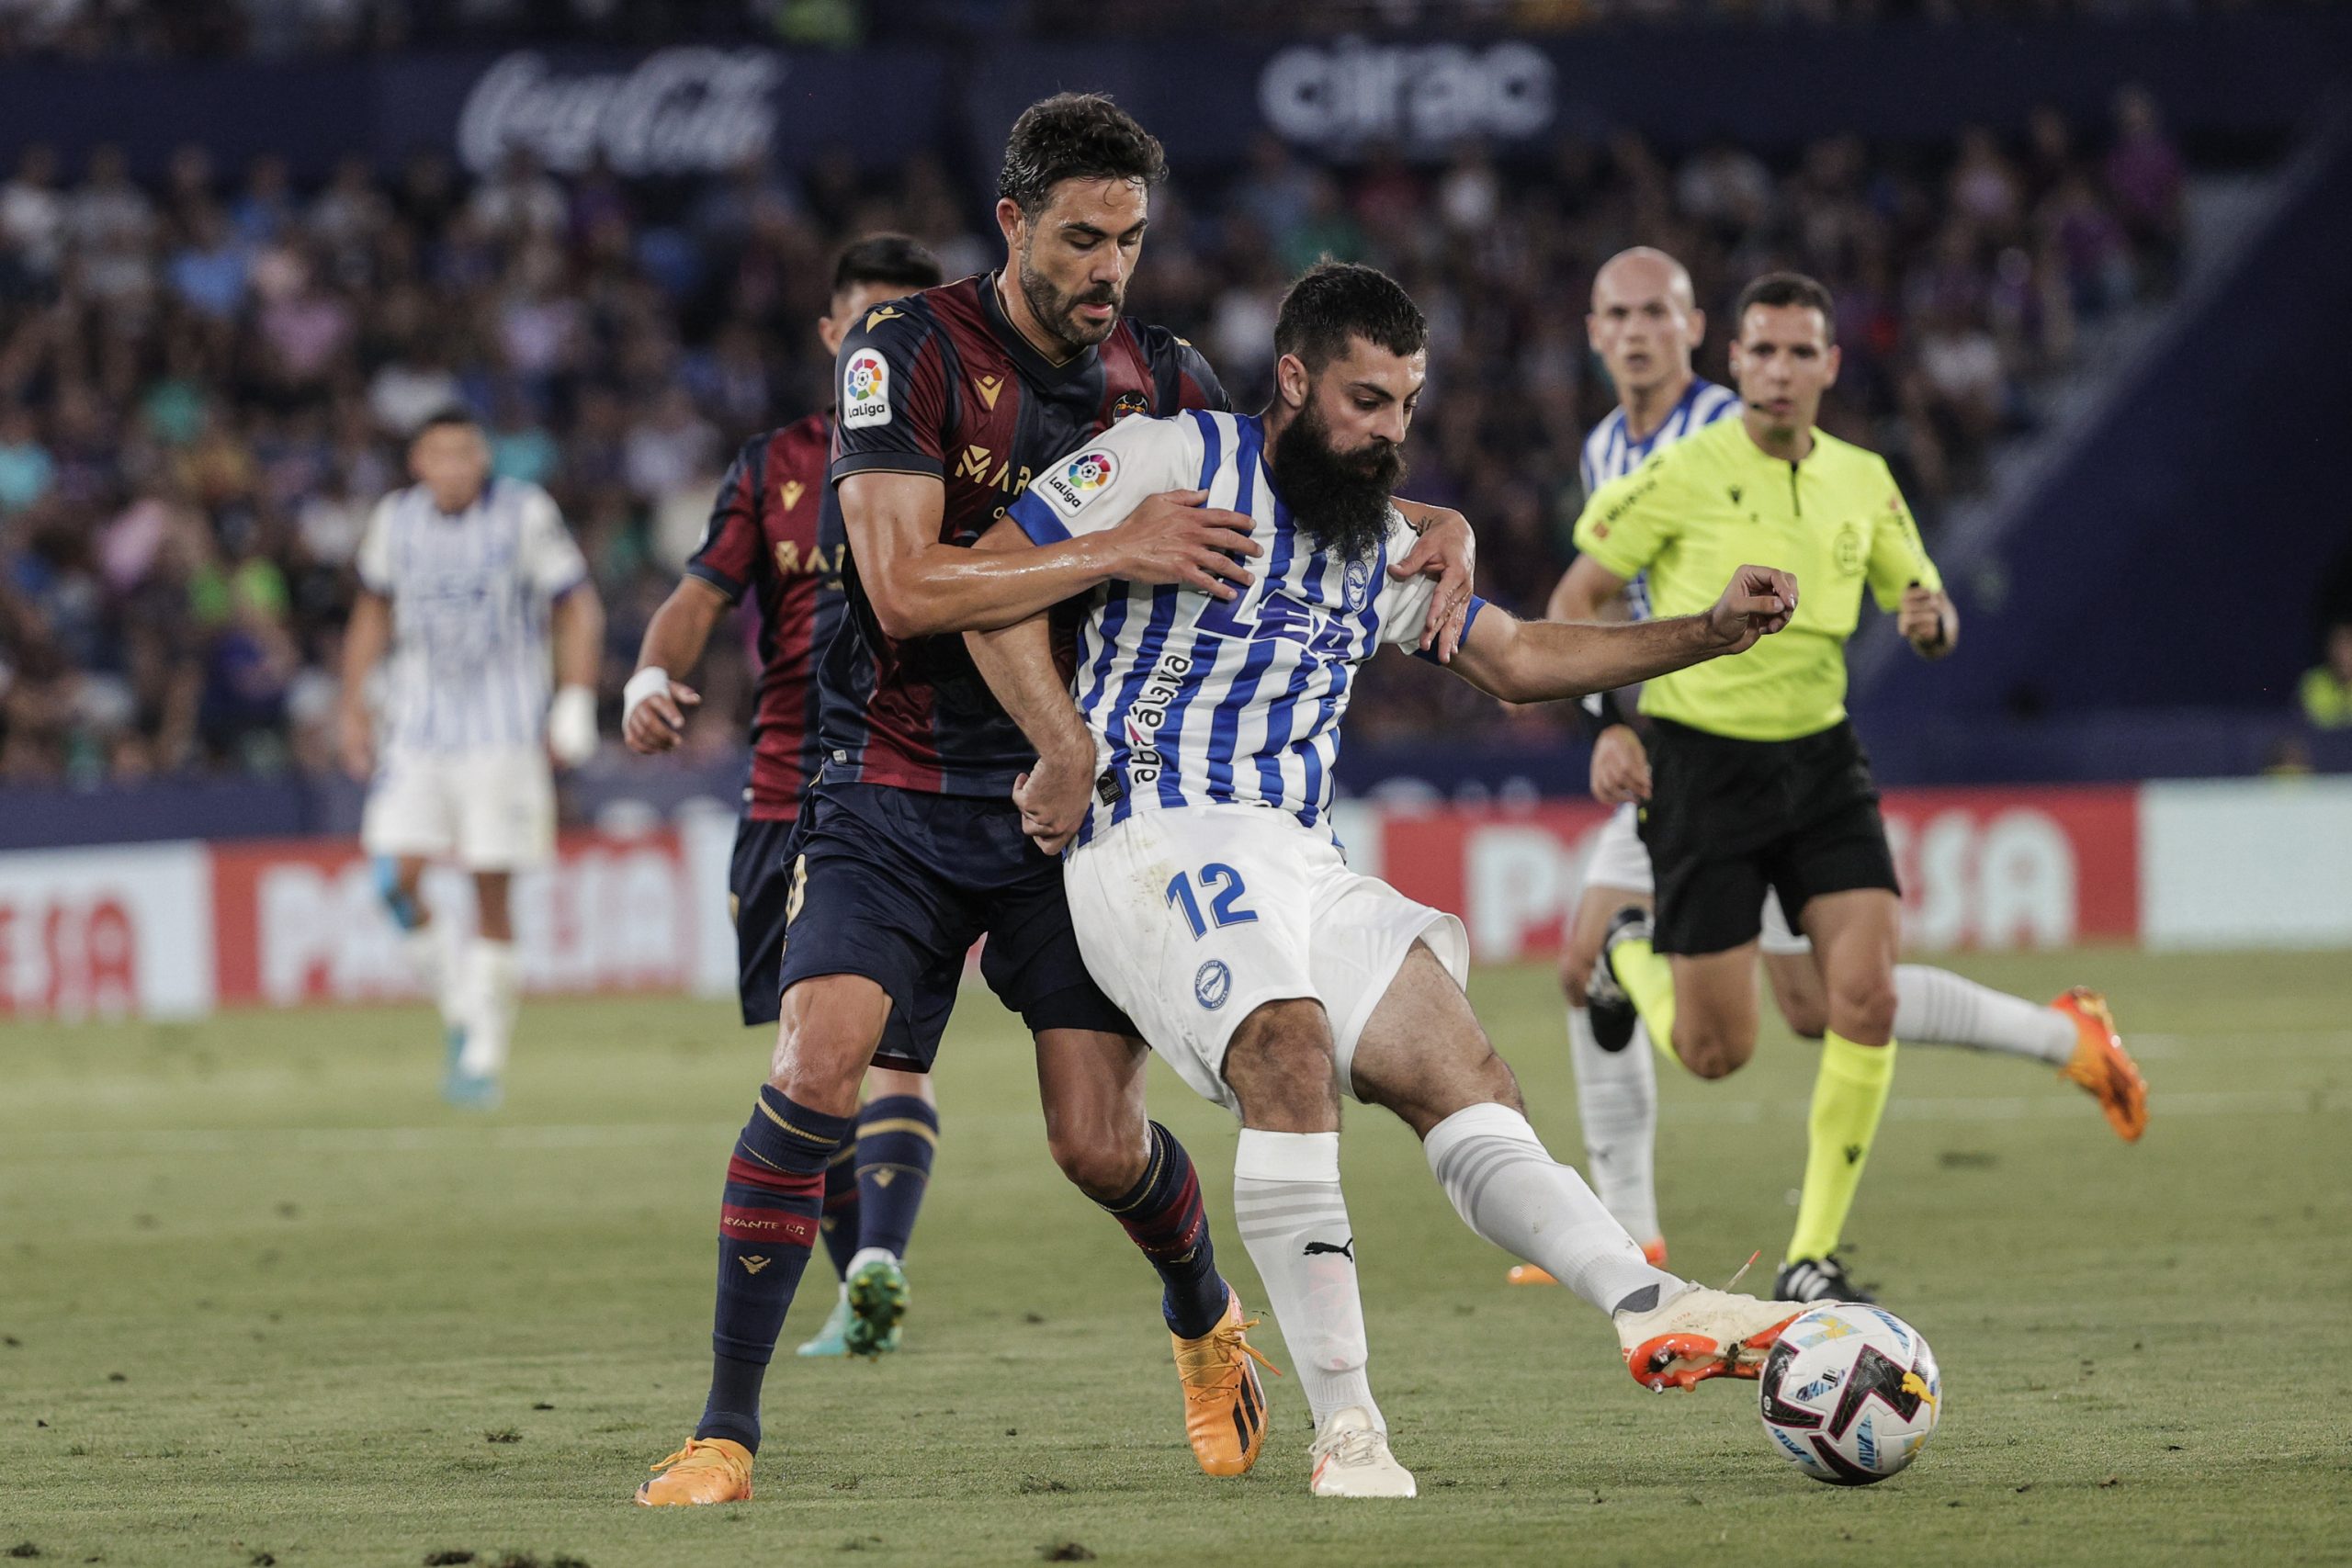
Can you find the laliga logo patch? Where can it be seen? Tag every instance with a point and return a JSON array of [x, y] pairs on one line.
[[1358, 584], [866, 391], [1212, 984], [1076, 482]]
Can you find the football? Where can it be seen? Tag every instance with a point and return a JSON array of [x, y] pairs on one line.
[[1850, 1394]]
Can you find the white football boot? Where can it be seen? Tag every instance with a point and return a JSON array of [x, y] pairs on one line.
[[1352, 1460], [1699, 1334]]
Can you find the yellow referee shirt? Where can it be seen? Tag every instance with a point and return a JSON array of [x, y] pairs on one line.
[[1714, 501]]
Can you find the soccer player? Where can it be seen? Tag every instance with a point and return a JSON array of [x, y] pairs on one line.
[[467, 579], [1192, 778], [909, 847], [764, 539], [1754, 782], [1644, 326]]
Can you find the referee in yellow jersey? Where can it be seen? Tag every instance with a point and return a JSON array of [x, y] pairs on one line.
[[1757, 781]]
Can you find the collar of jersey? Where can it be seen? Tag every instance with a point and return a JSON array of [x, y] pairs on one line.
[[1024, 354]]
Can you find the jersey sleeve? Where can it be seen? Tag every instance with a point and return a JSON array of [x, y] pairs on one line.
[[1096, 487], [1898, 555], [550, 557], [732, 545], [893, 401], [374, 559], [1402, 609], [1628, 522]]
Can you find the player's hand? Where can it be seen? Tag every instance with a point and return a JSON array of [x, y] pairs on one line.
[[1756, 602], [1448, 551], [355, 742], [1173, 538], [1926, 621], [1052, 796], [1620, 766], [653, 711]]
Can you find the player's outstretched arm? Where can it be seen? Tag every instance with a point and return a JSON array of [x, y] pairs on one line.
[[921, 587], [1527, 661], [655, 703], [1585, 591]]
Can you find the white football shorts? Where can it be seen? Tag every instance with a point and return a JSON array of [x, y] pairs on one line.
[[1192, 918], [490, 809], [1621, 861]]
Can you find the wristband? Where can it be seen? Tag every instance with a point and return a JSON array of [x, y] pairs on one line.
[[651, 681], [572, 726]]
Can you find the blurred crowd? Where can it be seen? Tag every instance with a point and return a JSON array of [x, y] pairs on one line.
[[181, 28], [205, 381]]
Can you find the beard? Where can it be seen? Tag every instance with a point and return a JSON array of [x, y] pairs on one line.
[[1341, 499], [1058, 311]]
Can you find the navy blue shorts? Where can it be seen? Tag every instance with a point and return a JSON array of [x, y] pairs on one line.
[[759, 883], [897, 886]]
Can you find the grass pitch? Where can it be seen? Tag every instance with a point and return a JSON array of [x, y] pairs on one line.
[[263, 1299]]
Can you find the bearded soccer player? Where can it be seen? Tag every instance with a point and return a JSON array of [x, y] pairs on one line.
[[1754, 783], [1645, 324], [909, 847], [764, 539], [1213, 903]]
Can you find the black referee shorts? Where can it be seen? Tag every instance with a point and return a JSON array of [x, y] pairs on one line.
[[1729, 819]]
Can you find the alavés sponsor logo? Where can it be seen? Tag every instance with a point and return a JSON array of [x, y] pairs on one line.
[[1148, 712], [866, 391], [1077, 482], [1213, 983]]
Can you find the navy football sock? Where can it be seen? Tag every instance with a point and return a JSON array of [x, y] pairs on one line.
[[839, 1220], [897, 1136], [767, 1223], [1162, 1212]]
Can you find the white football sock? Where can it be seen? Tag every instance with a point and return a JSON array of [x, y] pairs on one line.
[[1294, 1220], [1617, 1102], [1936, 1007], [430, 960], [492, 989], [1507, 1188]]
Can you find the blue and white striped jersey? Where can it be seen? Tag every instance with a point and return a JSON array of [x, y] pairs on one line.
[[1608, 455], [469, 665], [1196, 701]]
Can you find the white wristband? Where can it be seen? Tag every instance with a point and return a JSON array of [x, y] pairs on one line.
[[651, 681], [572, 726]]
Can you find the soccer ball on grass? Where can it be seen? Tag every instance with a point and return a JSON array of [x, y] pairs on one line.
[[1850, 1394]]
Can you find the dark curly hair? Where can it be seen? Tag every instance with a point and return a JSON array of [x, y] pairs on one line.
[[1075, 136], [1786, 288], [1333, 301]]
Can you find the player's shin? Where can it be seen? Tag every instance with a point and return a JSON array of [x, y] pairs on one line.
[[1507, 1188], [1648, 979], [839, 1220], [1617, 1104], [896, 1137], [775, 1185], [1293, 1219], [1848, 1098], [1936, 1007], [1163, 1214]]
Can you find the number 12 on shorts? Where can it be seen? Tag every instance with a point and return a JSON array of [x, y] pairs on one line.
[[1224, 907]]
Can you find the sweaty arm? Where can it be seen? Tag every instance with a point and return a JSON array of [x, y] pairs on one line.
[[1525, 662]]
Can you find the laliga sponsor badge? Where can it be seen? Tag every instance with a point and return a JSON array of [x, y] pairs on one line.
[[1212, 984], [866, 391], [1079, 480]]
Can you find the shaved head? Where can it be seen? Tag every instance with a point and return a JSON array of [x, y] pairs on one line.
[[1645, 323]]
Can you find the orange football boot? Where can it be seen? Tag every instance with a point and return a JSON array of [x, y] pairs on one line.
[[2101, 1066], [708, 1470], [1225, 1405]]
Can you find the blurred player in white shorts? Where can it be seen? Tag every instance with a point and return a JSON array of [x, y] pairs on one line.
[[1193, 778], [467, 580]]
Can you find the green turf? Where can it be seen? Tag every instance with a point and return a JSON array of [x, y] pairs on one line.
[[264, 1297]]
